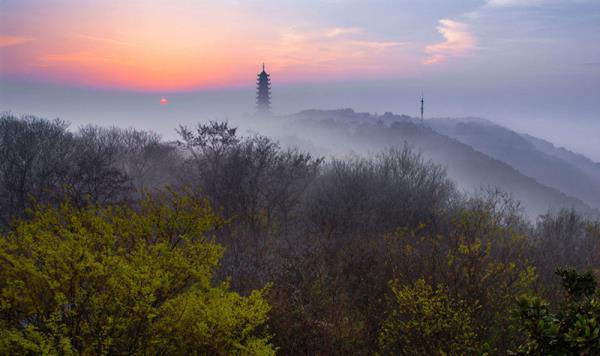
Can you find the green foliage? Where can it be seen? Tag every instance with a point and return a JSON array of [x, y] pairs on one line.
[[481, 260], [326, 238], [487, 266], [106, 280], [427, 321], [574, 329]]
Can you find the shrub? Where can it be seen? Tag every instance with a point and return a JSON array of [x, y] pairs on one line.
[[115, 280], [427, 321], [573, 330]]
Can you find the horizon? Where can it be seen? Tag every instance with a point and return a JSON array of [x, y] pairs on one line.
[[572, 127], [524, 64]]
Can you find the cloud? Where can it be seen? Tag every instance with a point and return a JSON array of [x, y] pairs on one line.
[[107, 41], [378, 44], [436, 58], [459, 41], [522, 3], [343, 31], [338, 49], [7, 41], [78, 57]]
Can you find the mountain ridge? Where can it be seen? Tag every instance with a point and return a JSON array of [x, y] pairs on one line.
[[344, 131], [571, 173]]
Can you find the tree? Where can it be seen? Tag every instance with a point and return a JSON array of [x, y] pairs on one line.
[[41, 161], [564, 238], [426, 321], [480, 260], [94, 176], [115, 280], [147, 161], [396, 188], [33, 159], [254, 183], [574, 329]]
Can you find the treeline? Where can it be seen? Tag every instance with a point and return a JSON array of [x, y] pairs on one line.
[[357, 256]]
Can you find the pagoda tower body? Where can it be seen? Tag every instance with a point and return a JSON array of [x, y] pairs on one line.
[[263, 92]]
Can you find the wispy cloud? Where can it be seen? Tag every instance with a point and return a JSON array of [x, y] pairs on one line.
[[433, 59], [506, 3], [78, 57], [7, 41], [342, 31], [378, 44], [337, 49], [523, 3], [110, 41], [459, 41]]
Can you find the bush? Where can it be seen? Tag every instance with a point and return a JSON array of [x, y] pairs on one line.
[[574, 329], [427, 321], [114, 280]]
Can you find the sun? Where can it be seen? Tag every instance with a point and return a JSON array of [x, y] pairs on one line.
[[164, 101]]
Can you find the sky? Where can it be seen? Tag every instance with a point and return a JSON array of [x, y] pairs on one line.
[[532, 65]]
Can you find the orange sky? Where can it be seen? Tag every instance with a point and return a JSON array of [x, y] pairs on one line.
[[188, 44], [154, 45]]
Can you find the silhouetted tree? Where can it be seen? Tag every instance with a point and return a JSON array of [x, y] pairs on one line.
[[34, 159]]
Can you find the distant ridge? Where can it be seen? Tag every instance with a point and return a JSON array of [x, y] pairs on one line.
[[571, 173], [345, 131]]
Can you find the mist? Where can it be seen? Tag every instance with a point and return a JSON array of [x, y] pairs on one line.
[[568, 117]]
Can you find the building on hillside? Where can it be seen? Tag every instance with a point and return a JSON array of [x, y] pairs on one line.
[[263, 92]]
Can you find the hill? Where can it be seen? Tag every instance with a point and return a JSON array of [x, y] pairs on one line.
[[345, 132], [571, 173]]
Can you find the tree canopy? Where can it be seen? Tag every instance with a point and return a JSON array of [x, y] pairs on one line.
[[114, 279]]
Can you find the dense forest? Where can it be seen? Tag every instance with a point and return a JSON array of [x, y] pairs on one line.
[[114, 241]]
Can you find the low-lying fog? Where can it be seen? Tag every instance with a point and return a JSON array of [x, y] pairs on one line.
[[569, 118]]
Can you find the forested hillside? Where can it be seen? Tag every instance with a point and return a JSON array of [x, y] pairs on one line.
[[115, 241]]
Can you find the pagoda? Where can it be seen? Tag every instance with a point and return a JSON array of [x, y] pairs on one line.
[[263, 92]]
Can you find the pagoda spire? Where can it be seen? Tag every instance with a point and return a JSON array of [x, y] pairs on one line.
[[263, 92]]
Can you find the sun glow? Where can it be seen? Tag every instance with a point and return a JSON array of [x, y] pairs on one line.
[[154, 46]]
